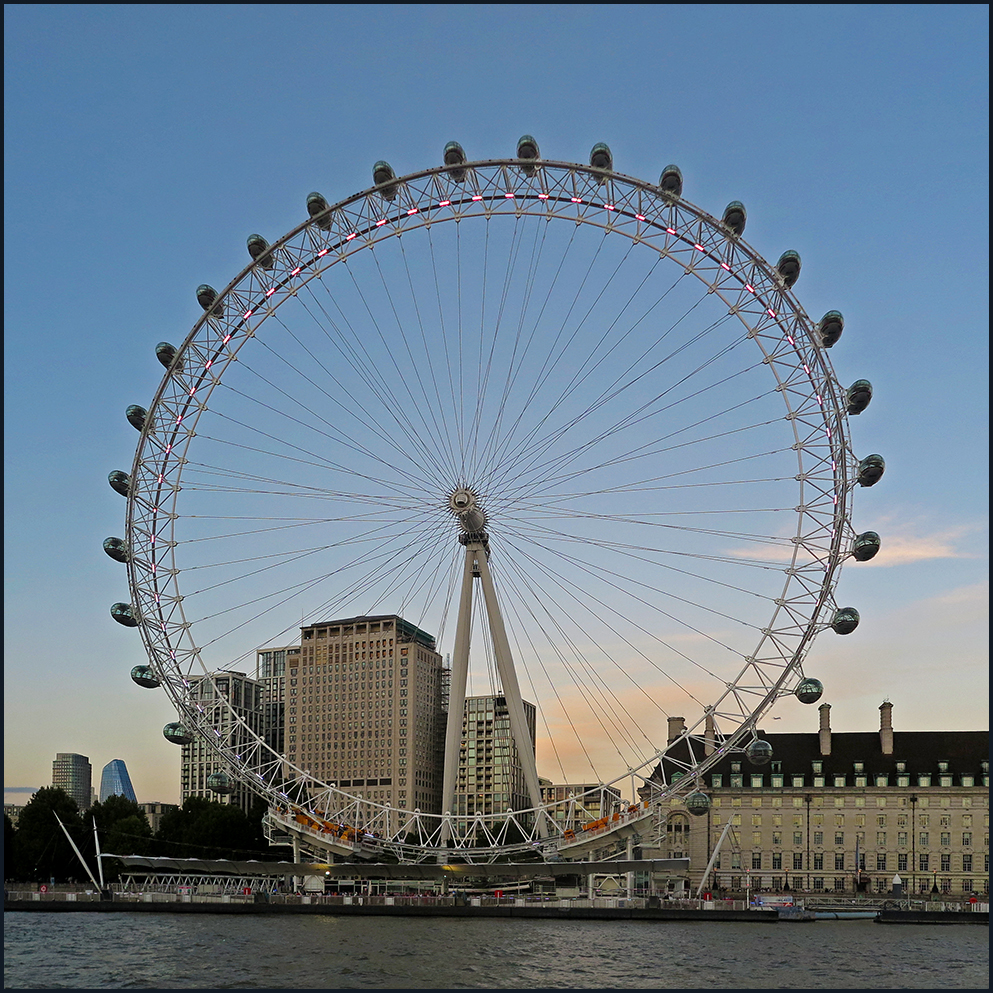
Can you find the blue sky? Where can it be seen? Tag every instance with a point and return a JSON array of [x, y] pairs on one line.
[[144, 143]]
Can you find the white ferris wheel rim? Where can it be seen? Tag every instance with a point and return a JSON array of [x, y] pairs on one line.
[[676, 230]]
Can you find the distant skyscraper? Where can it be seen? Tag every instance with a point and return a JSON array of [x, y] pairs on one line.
[[115, 781], [74, 774]]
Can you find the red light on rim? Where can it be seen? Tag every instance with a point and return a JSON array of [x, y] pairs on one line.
[[349, 237], [699, 248], [296, 271], [444, 203], [771, 312], [609, 206], [749, 287], [724, 265], [477, 196], [670, 230], [508, 196], [641, 217], [542, 196], [576, 200], [413, 210], [322, 253], [269, 292], [379, 224], [247, 314]]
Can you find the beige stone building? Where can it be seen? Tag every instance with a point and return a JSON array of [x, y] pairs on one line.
[[844, 813], [364, 710]]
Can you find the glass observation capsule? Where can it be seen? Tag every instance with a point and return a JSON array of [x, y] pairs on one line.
[[858, 396], [385, 178], [600, 157], [865, 546], [207, 298], [316, 206], [759, 752], [527, 149], [734, 217], [123, 614], [788, 267], [830, 327], [671, 181], [120, 482], [220, 782], [177, 733], [871, 470], [136, 416], [697, 803], [454, 155], [116, 548], [258, 248], [845, 620], [144, 677], [165, 353], [809, 690]]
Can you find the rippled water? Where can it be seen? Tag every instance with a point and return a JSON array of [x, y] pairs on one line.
[[146, 951]]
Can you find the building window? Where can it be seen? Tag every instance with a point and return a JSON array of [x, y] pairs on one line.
[[818, 861], [797, 861], [881, 862], [818, 837], [946, 863], [797, 837], [923, 863], [967, 863], [777, 860], [756, 860], [902, 863]]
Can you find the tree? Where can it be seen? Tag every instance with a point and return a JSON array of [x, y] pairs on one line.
[[203, 829], [41, 850], [123, 829]]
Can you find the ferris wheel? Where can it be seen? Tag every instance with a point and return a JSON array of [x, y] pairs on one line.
[[565, 420]]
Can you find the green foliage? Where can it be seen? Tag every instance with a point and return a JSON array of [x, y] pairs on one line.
[[203, 829], [41, 851], [123, 830]]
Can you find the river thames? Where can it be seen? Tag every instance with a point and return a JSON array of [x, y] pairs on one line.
[[161, 951]]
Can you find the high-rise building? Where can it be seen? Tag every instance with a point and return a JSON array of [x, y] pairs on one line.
[[364, 710], [232, 702], [74, 774], [115, 781], [491, 776], [270, 671]]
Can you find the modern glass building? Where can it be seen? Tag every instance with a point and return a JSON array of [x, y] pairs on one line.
[[115, 781]]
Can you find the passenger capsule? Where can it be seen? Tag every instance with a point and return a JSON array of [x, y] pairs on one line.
[[788, 267], [145, 677], [809, 690], [258, 248], [830, 327], [697, 803], [120, 482], [454, 155], [528, 151], [671, 181], [220, 782], [124, 614], [600, 157], [759, 752], [845, 620], [116, 548], [177, 733], [207, 298], [865, 546], [385, 178], [858, 396], [871, 470], [735, 217], [165, 353], [136, 416], [316, 206]]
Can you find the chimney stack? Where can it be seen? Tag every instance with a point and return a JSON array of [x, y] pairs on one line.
[[824, 732], [677, 725], [709, 735], [886, 727]]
